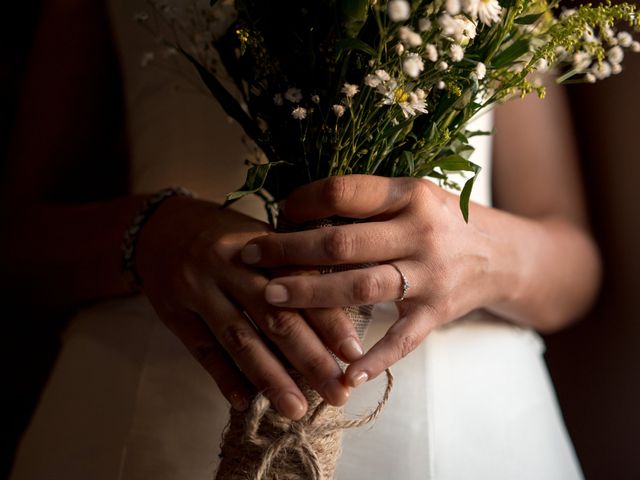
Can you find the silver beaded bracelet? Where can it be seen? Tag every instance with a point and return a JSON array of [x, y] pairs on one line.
[[131, 235]]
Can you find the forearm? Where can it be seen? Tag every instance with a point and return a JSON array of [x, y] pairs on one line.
[[68, 254], [542, 272]]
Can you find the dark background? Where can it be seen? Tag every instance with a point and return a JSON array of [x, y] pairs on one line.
[[595, 365]]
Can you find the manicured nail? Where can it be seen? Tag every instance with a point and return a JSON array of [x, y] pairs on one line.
[[335, 392], [238, 402], [276, 294], [290, 406], [359, 379], [251, 254], [351, 349]]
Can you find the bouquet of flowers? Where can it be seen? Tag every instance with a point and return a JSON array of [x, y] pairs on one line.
[[381, 87]]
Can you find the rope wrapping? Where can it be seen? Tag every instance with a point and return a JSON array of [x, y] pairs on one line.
[[260, 444]]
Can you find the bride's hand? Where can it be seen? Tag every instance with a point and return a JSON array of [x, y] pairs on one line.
[[188, 259], [412, 223]]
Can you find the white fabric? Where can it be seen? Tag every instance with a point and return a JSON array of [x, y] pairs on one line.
[[127, 402]]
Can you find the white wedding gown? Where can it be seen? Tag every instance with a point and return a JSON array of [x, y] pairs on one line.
[[126, 401]]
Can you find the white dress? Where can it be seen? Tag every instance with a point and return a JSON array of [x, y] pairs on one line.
[[126, 401]]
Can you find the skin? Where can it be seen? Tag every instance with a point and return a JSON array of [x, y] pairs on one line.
[[532, 262]]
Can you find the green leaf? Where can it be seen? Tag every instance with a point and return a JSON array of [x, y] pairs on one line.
[[529, 19], [465, 196], [256, 177], [406, 158], [511, 53], [347, 44], [479, 133], [354, 15], [456, 163]]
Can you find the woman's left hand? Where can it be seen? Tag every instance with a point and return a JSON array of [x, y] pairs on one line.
[[411, 223]]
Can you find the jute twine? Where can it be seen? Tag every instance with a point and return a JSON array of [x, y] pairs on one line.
[[260, 444]]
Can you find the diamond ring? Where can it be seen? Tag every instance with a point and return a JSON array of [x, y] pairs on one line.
[[405, 283]]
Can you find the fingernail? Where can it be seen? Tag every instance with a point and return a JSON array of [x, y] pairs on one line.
[[351, 349], [238, 402], [276, 294], [359, 379], [335, 392], [290, 406], [251, 254]]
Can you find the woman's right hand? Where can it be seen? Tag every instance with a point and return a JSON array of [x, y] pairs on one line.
[[188, 258]]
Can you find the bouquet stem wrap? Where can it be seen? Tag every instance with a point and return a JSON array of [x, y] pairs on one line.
[[260, 444]]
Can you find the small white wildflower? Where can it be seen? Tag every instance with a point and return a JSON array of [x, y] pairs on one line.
[[421, 94], [452, 7], [468, 27], [589, 36], [372, 81], [625, 39], [616, 69], [431, 51], [470, 7], [424, 24], [293, 94], [277, 99], [441, 85], [635, 47], [413, 65], [409, 37], [542, 65], [315, 99], [399, 48], [581, 61], [411, 105], [399, 10], [457, 53], [567, 12], [610, 36], [417, 103], [480, 70], [590, 78], [602, 70], [141, 17], [460, 28], [442, 66], [349, 90], [338, 110], [383, 75], [489, 11], [299, 113], [147, 58], [615, 55], [371, 62]]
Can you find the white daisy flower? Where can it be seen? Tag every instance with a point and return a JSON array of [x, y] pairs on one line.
[[480, 71], [413, 65], [581, 61], [424, 24], [349, 90], [383, 75], [452, 7], [421, 94], [489, 11], [399, 48], [431, 51], [409, 37], [299, 113], [602, 70], [399, 10], [293, 94], [625, 39], [442, 66], [372, 81], [615, 55], [338, 110], [456, 52]]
